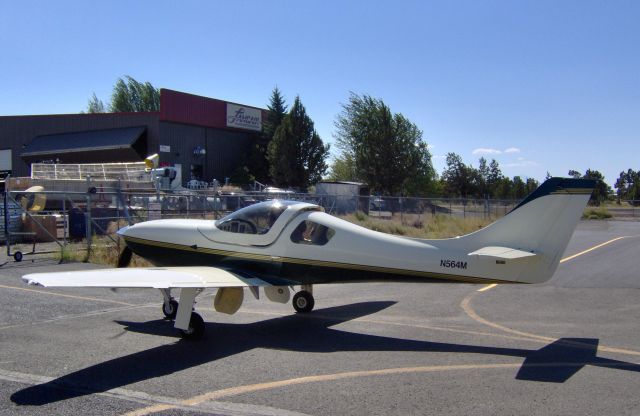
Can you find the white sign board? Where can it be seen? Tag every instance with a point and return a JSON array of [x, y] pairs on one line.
[[5, 159], [244, 117], [165, 148]]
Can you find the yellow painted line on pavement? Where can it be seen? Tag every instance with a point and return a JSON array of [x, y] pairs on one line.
[[593, 248], [251, 388], [466, 306], [44, 292], [488, 287]]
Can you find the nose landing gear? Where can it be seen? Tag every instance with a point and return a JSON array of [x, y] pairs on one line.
[[303, 301]]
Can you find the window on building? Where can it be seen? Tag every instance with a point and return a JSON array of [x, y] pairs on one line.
[[309, 232]]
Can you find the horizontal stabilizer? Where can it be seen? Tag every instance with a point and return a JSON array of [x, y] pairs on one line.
[[502, 253]]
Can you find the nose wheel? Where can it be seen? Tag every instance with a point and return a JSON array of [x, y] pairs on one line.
[[170, 309], [303, 302]]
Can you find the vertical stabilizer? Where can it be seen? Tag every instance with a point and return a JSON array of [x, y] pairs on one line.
[[542, 225]]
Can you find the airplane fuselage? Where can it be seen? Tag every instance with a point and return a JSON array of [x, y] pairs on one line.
[[352, 254]]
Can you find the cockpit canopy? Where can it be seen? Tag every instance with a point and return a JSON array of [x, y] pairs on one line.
[[255, 219]]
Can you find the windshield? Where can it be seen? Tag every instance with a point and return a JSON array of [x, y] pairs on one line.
[[254, 219]]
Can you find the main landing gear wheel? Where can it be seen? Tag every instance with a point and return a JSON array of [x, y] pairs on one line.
[[196, 327], [303, 302], [170, 309]]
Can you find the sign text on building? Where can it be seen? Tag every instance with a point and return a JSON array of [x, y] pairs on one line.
[[244, 117]]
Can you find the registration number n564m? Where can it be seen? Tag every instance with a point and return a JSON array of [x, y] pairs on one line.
[[453, 264]]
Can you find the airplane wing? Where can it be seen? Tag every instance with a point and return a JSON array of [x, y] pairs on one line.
[[147, 277]]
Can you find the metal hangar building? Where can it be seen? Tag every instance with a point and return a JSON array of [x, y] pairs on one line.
[[208, 137]]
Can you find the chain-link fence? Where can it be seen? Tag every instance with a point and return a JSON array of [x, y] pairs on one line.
[[42, 222], [51, 221]]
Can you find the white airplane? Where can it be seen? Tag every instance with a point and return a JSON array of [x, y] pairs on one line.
[[281, 244]]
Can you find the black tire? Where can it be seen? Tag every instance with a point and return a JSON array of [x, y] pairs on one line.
[[171, 309], [17, 256], [303, 302], [196, 328]]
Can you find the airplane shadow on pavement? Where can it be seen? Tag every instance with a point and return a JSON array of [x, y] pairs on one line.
[[555, 363]]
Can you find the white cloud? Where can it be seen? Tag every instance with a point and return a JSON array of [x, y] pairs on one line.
[[486, 151], [512, 150]]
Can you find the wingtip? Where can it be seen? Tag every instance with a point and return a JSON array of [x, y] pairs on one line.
[[30, 280]]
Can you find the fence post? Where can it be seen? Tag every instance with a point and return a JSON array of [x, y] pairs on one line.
[[64, 219], [87, 218], [6, 223]]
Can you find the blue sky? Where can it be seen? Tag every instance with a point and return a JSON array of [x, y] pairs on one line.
[[538, 85]]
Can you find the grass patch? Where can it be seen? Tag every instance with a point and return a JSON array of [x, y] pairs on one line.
[[420, 226], [103, 251], [599, 213]]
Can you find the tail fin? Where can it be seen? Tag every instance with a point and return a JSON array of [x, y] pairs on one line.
[[526, 245]]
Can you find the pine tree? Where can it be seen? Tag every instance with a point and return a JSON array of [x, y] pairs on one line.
[[296, 153], [277, 110], [258, 161]]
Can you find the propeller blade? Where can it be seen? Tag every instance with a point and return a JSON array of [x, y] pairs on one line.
[[125, 257]]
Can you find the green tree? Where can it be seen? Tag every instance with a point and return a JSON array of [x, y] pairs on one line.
[[343, 169], [518, 188], [386, 149], [628, 185], [95, 105], [458, 179], [296, 153], [494, 178], [601, 191], [130, 96], [258, 163], [504, 188], [483, 178], [531, 185], [575, 174], [276, 112]]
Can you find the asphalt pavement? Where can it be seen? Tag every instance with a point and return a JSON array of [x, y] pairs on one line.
[[570, 346]]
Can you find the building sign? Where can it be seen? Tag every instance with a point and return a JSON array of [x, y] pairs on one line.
[[165, 148], [244, 117]]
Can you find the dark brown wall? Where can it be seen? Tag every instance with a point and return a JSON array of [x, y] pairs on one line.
[[225, 150], [16, 131]]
